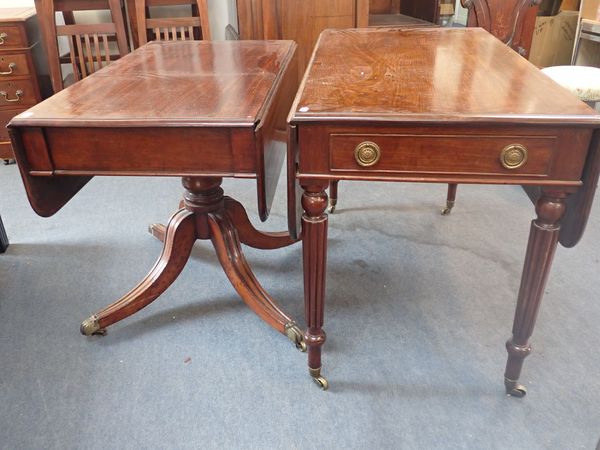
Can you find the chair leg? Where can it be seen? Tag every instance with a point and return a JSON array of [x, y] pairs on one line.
[[450, 199]]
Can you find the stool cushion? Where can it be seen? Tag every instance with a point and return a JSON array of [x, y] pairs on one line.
[[582, 81]]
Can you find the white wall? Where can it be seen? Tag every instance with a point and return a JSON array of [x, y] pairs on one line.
[[219, 13]]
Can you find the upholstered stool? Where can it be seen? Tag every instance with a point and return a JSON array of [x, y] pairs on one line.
[[582, 81]]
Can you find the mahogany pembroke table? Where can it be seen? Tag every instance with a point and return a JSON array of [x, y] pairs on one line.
[[444, 106], [196, 110]]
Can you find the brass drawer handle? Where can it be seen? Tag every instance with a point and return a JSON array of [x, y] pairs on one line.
[[513, 156], [367, 154], [12, 100], [11, 67], [2, 37]]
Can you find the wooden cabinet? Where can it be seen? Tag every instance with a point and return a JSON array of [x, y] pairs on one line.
[[19, 88]]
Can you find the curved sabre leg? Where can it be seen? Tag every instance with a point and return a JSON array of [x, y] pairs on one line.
[[251, 236], [227, 246], [179, 240]]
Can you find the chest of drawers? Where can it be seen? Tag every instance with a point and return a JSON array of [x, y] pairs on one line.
[[19, 88]]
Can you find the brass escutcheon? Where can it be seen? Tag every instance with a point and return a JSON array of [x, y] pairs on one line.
[[513, 156], [2, 37], [367, 154]]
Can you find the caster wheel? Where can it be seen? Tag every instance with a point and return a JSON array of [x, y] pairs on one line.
[[331, 209], [321, 382], [91, 327], [446, 211], [515, 389], [301, 346]]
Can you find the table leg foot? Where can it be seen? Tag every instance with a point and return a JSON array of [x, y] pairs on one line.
[[333, 196], [450, 199], [91, 327], [227, 245], [179, 240], [318, 379], [514, 388]]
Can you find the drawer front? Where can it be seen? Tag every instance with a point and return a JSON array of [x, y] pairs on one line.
[[443, 154], [5, 117], [16, 93], [13, 65], [12, 36]]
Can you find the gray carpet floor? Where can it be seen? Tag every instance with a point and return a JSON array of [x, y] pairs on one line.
[[418, 309]]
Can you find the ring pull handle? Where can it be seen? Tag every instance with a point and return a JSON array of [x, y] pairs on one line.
[[12, 100], [513, 156], [3, 36], [367, 154], [11, 68]]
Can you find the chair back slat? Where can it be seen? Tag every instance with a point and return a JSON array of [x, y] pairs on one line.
[[85, 49], [145, 28]]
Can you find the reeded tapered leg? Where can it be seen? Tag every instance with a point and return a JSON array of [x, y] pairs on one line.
[[179, 240], [450, 199], [333, 195], [314, 250], [543, 239]]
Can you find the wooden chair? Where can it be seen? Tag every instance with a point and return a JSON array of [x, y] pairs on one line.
[[89, 48], [145, 28], [511, 21]]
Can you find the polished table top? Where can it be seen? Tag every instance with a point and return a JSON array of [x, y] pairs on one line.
[[173, 83], [428, 75]]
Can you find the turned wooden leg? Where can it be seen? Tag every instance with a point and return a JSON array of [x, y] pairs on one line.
[[333, 195], [3, 238], [251, 236], [179, 240], [450, 199], [314, 249], [543, 239]]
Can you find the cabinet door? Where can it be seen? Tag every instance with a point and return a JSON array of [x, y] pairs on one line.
[[303, 21]]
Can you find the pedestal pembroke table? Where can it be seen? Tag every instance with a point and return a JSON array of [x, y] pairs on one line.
[[196, 110], [443, 106]]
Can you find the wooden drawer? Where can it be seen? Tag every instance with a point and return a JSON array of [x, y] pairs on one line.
[[11, 100], [443, 154], [5, 116], [13, 65], [14, 37]]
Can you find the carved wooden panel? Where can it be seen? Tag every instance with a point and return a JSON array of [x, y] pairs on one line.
[[511, 21]]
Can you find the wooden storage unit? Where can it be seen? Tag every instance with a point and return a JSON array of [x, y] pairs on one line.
[[19, 88]]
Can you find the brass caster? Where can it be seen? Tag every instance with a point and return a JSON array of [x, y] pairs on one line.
[[332, 205], [9, 161], [294, 334], [448, 209], [91, 327], [318, 379], [322, 383], [514, 389]]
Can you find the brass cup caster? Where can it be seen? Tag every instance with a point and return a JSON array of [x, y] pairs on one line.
[[91, 327], [318, 379], [294, 334], [9, 161], [332, 205], [448, 209], [514, 389]]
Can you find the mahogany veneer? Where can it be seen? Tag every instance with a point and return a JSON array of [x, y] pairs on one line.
[[197, 110], [438, 105]]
